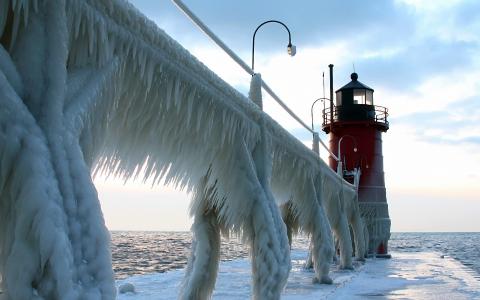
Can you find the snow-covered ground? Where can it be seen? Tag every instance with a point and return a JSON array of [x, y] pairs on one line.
[[421, 275]]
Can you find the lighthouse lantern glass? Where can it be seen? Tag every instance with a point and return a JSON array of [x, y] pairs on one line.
[[339, 98], [369, 97], [358, 96], [361, 96]]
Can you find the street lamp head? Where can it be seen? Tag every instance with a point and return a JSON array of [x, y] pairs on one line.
[[291, 49], [355, 149]]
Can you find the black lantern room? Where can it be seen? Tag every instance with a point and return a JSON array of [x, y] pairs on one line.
[[355, 101]]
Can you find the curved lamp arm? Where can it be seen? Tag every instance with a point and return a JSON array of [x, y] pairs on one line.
[[311, 109], [291, 49]]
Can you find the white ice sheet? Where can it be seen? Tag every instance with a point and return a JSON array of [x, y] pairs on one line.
[[421, 275]]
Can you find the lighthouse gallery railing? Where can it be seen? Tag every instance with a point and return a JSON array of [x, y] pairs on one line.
[[380, 116]]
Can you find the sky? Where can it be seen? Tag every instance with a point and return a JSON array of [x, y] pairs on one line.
[[421, 58]]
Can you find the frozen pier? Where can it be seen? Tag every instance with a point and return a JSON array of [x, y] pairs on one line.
[[418, 275]]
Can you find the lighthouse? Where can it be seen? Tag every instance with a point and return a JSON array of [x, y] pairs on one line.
[[355, 126]]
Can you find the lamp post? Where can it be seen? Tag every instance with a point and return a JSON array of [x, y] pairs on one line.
[[291, 49], [316, 138], [340, 163]]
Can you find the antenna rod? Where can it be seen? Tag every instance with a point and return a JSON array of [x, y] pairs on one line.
[[323, 81]]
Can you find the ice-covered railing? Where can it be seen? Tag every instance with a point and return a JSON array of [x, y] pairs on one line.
[[247, 69], [93, 86]]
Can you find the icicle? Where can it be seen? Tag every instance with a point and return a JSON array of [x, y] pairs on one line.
[[15, 26], [222, 137], [101, 43], [4, 8], [190, 100], [139, 63], [176, 97], [134, 51], [179, 98], [199, 116], [169, 90], [224, 116], [149, 75], [26, 7], [90, 36], [211, 119]]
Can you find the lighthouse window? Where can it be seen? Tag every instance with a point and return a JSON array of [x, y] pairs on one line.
[[358, 96], [369, 97], [339, 98]]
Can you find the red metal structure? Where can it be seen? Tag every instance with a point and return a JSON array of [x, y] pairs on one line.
[[355, 126]]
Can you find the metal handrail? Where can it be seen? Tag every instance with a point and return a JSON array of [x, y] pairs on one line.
[[381, 115]]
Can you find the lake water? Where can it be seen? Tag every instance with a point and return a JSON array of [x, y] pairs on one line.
[[138, 252]]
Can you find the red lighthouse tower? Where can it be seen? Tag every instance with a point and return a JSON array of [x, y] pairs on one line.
[[355, 126]]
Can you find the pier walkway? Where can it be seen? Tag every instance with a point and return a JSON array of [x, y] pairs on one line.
[[417, 275]]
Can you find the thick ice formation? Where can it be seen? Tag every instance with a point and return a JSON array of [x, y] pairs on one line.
[[54, 241], [92, 86]]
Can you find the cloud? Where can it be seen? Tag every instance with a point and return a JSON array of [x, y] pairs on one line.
[[455, 124], [454, 20], [467, 16], [431, 120], [447, 140], [417, 62], [470, 140], [311, 22]]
